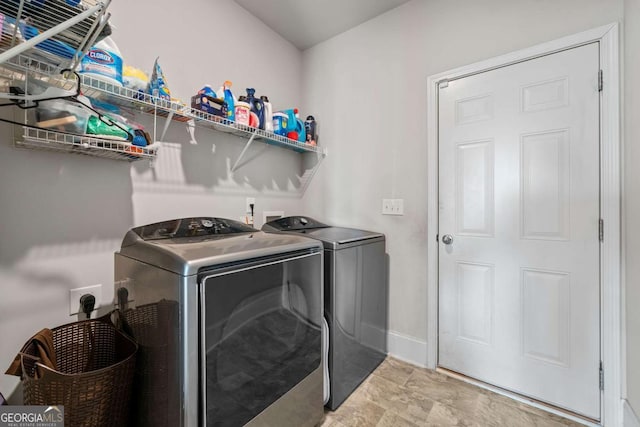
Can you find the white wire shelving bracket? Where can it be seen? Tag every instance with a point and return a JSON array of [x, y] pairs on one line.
[[319, 158], [244, 150]]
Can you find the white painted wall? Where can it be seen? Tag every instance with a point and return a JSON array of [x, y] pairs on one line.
[[631, 202], [63, 216], [368, 89]]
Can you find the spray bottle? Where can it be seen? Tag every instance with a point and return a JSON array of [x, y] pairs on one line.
[[225, 91]]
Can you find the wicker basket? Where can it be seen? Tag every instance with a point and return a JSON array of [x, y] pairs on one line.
[[96, 364], [156, 386]]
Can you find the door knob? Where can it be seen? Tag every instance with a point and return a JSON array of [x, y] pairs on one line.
[[447, 239]]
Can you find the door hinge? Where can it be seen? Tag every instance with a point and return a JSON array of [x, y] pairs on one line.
[[601, 376], [600, 81], [442, 84], [601, 230]]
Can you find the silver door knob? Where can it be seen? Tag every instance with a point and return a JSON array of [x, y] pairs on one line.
[[447, 239]]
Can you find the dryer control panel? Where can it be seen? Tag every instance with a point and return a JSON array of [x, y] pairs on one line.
[[191, 227]]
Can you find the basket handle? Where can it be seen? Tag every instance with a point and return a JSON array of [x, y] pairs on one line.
[[31, 371]]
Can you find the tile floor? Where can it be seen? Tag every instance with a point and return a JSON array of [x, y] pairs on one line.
[[400, 395]]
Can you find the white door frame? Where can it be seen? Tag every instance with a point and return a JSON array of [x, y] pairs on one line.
[[610, 200]]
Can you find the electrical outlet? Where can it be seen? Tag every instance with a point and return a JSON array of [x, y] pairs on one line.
[[76, 294], [250, 201], [392, 206]]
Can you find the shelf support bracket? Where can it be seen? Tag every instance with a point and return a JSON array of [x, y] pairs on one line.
[[166, 125], [244, 150], [320, 157]]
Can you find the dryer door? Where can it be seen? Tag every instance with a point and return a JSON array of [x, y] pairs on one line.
[[261, 328]]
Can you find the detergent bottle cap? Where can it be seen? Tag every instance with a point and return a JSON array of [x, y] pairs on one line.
[[310, 118], [264, 98], [242, 98], [207, 90], [295, 111], [251, 92], [227, 84]]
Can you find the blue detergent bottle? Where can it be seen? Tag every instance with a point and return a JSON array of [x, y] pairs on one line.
[[225, 93], [280, 123], [257, 109], [284, 123]]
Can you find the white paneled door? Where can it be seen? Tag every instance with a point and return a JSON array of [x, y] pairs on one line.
[[519, 287]]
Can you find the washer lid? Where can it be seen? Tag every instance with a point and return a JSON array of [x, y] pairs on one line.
[[186, 245], [332, 237], [339, 237]]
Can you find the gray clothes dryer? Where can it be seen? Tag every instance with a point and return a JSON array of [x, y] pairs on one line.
[[355, 299], [228, 320]]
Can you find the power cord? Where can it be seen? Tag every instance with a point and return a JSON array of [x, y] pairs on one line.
[[87, 303]]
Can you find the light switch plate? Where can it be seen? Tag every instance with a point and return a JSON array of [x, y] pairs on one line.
[[392, 206]]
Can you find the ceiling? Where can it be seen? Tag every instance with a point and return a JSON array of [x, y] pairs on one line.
[[308, 22]]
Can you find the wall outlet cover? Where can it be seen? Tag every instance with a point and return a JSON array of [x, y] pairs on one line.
[[76, 294], [250, 201]]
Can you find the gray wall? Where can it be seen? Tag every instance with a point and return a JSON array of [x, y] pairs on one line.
[[368, 86], [63, 216], [631, 97]]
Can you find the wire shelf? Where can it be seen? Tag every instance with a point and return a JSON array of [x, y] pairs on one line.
[[85, 145], [57, 32], [221, 124], [129, 98], [22, 67], [125, 97]]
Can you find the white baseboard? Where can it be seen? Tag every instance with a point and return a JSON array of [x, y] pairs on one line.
[[629, 417], [408, 349], [372, 336]]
